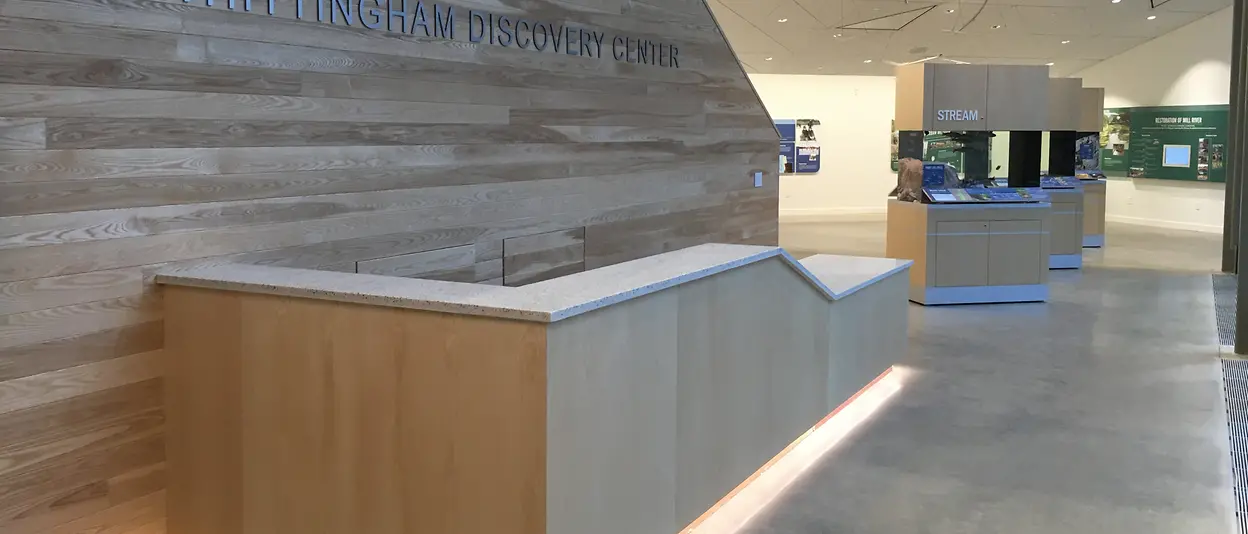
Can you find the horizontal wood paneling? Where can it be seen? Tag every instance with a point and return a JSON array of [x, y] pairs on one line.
[[40, 68], [533, 258], [51, 101], [433, 264], [139, 134], [22, 134], [79, 133]]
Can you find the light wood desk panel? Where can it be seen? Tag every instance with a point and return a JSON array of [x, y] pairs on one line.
[[1094, 213], [1066, 224]]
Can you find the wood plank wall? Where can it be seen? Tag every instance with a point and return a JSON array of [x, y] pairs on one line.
[[142, 133]]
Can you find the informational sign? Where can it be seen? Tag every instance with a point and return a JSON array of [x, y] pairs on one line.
[[1167, 143], [807, 159], [957, 114], [788, 145], [439, 21], [933, 174]]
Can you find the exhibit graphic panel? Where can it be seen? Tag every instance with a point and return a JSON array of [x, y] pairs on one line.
[[1166, 143], [1088, 153], [807, 147], [807, 159], [788, 144], [894, 147]]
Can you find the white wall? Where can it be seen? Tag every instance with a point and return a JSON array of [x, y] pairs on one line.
[[1189, 66], [856, 113]]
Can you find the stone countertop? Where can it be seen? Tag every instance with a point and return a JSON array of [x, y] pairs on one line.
[[547, 301], [843, 275]]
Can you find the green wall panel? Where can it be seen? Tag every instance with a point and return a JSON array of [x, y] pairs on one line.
[[1134, 140]]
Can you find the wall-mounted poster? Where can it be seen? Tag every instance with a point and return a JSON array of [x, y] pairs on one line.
[[788, 145], [1167, 143]]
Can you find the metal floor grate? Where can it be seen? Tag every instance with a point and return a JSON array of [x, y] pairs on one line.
[[1224, 290], [1235, 385]]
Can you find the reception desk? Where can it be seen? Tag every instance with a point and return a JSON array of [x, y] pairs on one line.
[[972, 253], [1093, 213], [1066, 227], [622, 400]]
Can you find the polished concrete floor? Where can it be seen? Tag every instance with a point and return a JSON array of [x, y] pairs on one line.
[[1098, 412]]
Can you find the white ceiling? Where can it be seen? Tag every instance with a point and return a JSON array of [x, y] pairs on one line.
[[1031, 32]]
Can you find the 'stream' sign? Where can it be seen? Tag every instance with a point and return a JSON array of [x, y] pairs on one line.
[[438, 21], [957, 114]]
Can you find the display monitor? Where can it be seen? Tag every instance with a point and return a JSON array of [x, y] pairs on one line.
[[1176, 156]]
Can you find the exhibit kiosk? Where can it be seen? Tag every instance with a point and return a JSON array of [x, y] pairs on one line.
[[1075, 116], [1066, 195], [972, 245], [1093, 209], [1091, 115]]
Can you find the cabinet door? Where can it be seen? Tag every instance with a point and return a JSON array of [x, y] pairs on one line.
[[1094, 211], [961, 254], [1066, 225], [1015, 256]]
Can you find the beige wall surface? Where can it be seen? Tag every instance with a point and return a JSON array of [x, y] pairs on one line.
[[1017, 97], [139, 133], [1065, 100], [1091, 109]]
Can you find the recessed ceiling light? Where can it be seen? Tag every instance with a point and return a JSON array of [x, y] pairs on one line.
[[836, 35], [768, 59], [782, 20], [1066, 41], [866, 61], [1114, 1], [1049, 64], [949, 10], [996, 26], [1151, 17]]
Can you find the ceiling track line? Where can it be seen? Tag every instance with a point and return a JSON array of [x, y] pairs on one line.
[[976, 16], [750, 22], [925, 10], [812, 15]]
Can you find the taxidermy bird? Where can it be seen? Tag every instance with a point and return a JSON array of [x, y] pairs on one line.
[[909, 180]]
